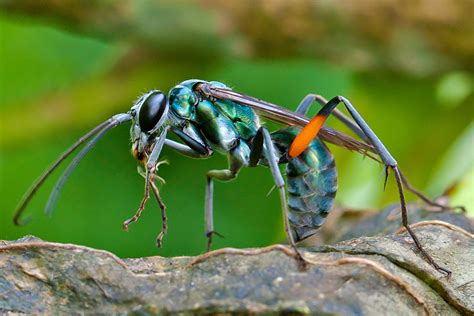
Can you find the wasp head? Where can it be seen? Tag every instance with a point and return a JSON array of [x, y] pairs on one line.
[[149, 114]]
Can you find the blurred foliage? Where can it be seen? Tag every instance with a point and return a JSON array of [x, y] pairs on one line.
[[52, 69], [57, 84], [453, 88], [416, 37], [457, 168]]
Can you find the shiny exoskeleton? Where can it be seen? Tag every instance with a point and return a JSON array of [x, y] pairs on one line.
[[311, 183], [230, 128], [219, 125], [209, 117]]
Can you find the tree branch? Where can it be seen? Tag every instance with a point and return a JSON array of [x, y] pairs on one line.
[[367, 275]]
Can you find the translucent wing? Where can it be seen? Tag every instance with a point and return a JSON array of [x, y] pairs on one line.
[[282, 115]]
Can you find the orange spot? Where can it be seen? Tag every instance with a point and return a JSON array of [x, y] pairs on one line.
[[307, 134]]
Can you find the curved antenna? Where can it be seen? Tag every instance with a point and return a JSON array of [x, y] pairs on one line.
[[39, 182], [70, 168]]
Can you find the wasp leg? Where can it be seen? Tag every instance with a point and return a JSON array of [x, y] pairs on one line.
[[196, 143], [264, 142], [384, 154], [185, 149], [140, 209], [426, 199], [195, 149], [150, 169], [308, 100], [303, 108], [256, 148], [164, 219], [161, 204], [222, 175]]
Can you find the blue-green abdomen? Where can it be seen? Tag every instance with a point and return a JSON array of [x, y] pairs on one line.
[[311, 182]]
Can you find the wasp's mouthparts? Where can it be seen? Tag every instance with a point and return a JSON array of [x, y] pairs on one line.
[[140, 156]]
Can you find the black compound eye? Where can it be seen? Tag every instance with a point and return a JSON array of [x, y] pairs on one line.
[[151, 110]]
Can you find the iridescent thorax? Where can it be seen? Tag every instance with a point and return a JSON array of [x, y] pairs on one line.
[[222, 123]]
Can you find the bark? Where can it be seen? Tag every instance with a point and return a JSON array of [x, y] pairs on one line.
[[382, 274]]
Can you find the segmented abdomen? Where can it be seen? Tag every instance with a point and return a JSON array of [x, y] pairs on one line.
[[311, 182]]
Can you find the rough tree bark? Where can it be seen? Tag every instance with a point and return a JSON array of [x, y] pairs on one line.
[[376, 275]]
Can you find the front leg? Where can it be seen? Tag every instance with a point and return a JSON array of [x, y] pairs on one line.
[[159, 200], [149, 173], [186, 150]]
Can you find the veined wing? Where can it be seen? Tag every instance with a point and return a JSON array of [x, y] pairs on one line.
[[282, 115]]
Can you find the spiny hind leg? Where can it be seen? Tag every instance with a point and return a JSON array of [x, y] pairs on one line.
[[299, 144], [263, 142], [303, 108], [427, 200]]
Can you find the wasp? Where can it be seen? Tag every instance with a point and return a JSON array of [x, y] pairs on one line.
[[210, 117]]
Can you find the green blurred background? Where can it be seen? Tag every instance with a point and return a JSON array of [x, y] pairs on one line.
[[66, 66]]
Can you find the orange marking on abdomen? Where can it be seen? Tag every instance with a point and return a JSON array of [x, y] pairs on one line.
[[307, 134]]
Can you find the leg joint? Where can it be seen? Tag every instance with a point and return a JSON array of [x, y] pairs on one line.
[[150, 166]]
